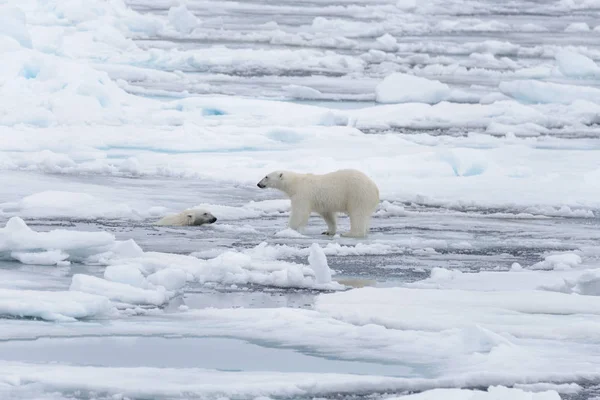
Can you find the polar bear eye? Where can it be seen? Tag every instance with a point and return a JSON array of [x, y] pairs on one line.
[[205, 214], [281, 175]]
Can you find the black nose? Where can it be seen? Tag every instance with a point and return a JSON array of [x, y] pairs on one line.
[[214, 219], [260, 186]]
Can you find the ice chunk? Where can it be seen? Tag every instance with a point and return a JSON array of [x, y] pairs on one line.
[[331, 118], [119, 291], [387, 209], [52, 306], [559, 262], [129, 274], [516, 267], [528, 129], [17, 236], [231, 267], [388, 42], [547, 92], [50, 257], [54, 203], [182, 19], [13, 24], [274, 252], [427, 309], [576, 65], [28, 380], [588, 283], [567, 388], [404, 88], [443, 274], [562, 211], [318, 262], [127, 248], [465, 162], [302, 92], [406, 5], [285, 136], [170, 278], [577, 27], [492, 393], [47, 89]]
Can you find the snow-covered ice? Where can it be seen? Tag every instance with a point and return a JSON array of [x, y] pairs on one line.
[[403, 88], [182, 19], [52, 306], [478, 120]]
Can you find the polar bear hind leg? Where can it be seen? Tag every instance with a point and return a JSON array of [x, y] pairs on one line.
[[359, 225]]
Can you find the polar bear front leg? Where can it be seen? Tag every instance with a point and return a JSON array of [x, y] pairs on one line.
[[330, 219], [299, 215]]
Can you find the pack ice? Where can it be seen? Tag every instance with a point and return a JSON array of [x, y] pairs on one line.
[[477, 120]]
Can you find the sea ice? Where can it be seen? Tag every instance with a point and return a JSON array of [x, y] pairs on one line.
[[52, 306], [17, 236], [127, 112], [493, 393], [117, 291], [425, 309], [559, 261], [182, 19], [577, 27], [170, 278], [56, 204], [49, 257], [318, 262], [136, 276], [13, 24], [576, 65], [127, 274], [404, 88], [548, 92]]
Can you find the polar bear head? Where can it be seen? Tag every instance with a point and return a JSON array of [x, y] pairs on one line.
[[275, 180], [199, 217]]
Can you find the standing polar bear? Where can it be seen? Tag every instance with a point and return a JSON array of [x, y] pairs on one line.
[[188, 218], [347, 190]]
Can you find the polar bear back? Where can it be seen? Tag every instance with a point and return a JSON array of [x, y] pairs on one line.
[[338, 191]]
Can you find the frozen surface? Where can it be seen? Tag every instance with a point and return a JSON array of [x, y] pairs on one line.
[[493, 393], [52, 306], [403, 88], [478, 120]]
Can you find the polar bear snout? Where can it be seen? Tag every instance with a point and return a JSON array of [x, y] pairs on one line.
[[263, 182], [205, 218], [273, 180]]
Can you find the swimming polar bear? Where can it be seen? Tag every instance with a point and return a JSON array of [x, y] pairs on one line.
[[347, 190], [188, 218]]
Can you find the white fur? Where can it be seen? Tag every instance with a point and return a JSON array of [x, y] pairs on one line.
[[348, 191], [188, 218]]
